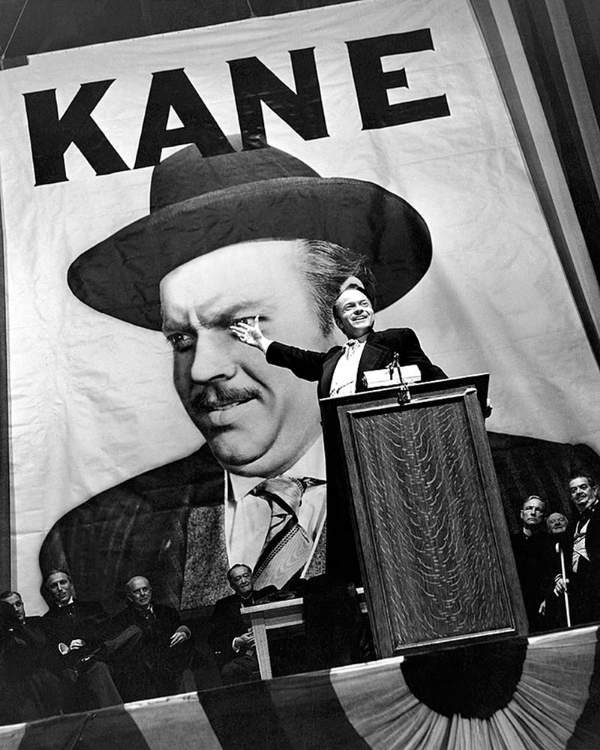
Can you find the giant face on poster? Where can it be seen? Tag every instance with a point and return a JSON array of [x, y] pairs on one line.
[[157, 191]]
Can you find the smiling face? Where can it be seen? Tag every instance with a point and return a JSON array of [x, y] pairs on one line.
[[584, 493], [556, 523], [258, 419], [240, 580], [354, 313], [60, 587]]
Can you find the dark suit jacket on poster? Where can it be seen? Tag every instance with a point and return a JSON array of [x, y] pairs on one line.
[[379, 351]]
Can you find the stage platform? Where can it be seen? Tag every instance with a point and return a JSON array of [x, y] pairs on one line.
[[537, 693]]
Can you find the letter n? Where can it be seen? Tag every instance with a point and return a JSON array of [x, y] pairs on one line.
[[302, 109]]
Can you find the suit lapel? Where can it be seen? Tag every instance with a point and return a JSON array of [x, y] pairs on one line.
[[373, 357], [206, 564], [327, 374]]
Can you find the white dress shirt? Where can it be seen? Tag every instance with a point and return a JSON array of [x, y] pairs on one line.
[[343, 381], [248, 517]]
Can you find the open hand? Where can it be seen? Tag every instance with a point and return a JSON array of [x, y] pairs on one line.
[[249, 333]]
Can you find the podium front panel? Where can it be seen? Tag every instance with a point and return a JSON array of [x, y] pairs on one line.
[[429, 523]]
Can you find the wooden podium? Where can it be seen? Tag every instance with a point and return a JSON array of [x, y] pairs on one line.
[[414, 485]]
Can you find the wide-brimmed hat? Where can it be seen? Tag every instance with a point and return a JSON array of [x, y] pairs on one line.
[[199, 204]]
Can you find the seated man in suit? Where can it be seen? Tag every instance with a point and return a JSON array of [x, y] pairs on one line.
[[153, 663], [230, 637], [74, 631], [340, 370], [31, 691]]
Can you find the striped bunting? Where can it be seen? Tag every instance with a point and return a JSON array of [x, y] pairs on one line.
[[554, 705]]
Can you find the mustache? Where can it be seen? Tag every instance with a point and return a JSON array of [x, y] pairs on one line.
[[217, 396]]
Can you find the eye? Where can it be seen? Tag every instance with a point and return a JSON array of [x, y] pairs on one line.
[[181, 342], [248, 320]]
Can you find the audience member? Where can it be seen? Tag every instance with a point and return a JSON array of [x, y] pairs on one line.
[[557, 523], [155, 661], [534, 559], [231, 639], [557, 602], [30, 691], [74, 632]]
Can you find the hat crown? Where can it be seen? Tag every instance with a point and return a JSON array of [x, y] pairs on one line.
[[187, 174]]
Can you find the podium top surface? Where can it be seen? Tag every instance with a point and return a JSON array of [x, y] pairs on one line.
[[480, 381]]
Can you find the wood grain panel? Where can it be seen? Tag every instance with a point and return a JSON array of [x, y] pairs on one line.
[[423, 513]]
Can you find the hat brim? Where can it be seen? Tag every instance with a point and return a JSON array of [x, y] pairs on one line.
[[120, 276]]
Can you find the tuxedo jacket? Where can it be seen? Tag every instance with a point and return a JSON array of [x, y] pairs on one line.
[[378, 352]]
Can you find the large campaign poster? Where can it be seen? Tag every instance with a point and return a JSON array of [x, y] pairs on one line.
[[400, 94]]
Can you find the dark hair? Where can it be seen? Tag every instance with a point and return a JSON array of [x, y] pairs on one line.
[[583, 475], [326, 266], [334, 310], [238, 565]]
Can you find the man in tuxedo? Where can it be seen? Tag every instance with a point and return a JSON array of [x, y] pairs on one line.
[[75, 631], [340, 370], [154, 662], [584, 577], [230, 637], [203, 260]]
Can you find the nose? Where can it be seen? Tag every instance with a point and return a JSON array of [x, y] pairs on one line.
[[214, 357]]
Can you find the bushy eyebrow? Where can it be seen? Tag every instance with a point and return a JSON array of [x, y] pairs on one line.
[[222, 319]]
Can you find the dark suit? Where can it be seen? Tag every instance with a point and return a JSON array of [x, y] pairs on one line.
[[584, 588], [378, 352], [31, 691], [149, 668], [536, 566], [140, 527], [87, 687], [227, 623]]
